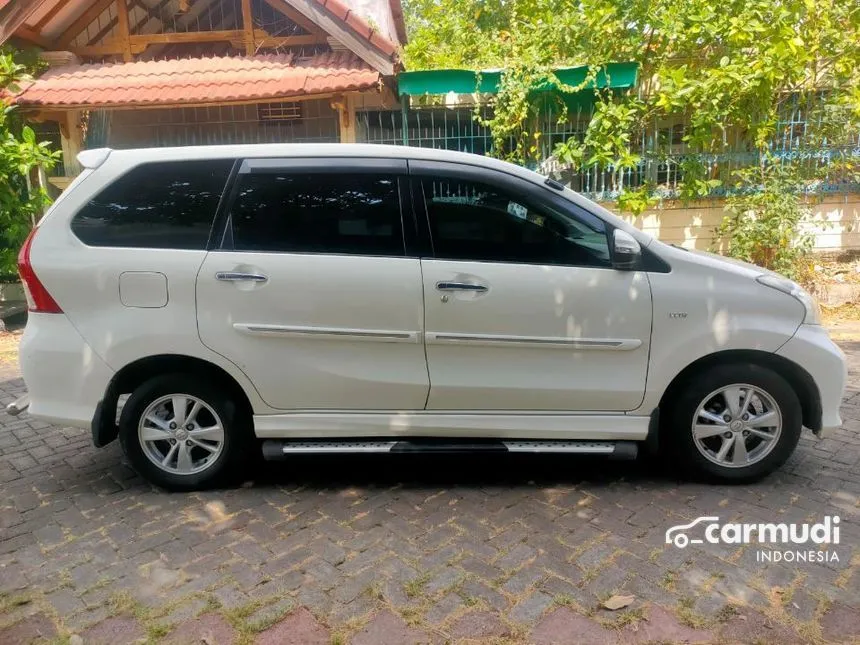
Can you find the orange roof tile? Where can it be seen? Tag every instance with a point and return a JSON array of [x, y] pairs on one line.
[[198, 80]]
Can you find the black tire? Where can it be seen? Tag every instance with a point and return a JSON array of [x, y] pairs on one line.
[[237, 436], [680, 445]]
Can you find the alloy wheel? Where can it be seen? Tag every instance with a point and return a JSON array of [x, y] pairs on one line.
[[181, 434], [737, 425]]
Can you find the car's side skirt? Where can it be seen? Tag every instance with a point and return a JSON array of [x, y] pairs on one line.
[[280, 449], [488, 425]]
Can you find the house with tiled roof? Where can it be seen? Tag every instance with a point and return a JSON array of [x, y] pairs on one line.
[[130, 73]]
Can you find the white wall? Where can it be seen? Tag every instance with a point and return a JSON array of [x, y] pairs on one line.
[[835, 221]]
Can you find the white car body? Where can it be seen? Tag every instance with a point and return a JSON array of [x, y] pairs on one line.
[[338, 345]]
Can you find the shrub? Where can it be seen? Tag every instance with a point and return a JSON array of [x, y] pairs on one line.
[[763, 225], [20, 153]]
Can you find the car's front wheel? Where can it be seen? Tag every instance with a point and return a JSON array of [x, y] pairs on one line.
[[182, 434], [735, 423]]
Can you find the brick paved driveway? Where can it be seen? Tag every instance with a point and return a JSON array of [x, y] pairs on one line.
[[407, 549]]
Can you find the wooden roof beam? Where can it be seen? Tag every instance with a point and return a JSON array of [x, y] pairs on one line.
[[31, 36], [340, 31], [201, 10], [82, 22], [248, 27], [150, 14], [256, 101], [139, 43], [123, 29], [14, 15], [50, 15], [287, 11], [276, 42]]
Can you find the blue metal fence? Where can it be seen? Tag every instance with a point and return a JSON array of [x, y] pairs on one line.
[[664, 155]]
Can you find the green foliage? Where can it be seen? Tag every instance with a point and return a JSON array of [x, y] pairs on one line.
[[517, 110], [762, 226], [28, 61], [726, 67], [727, 70], [20, 154], [607, 138], [697, 183], [637, 200]]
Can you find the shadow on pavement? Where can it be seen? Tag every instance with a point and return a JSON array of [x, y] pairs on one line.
[[417, 471]]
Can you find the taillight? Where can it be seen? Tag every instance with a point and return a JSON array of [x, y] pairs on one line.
[[38, 298]]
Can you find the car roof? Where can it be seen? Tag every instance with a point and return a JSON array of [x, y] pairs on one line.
[[341, 150]]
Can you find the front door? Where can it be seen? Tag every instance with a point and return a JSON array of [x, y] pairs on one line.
[[523, 309], [311, 293]]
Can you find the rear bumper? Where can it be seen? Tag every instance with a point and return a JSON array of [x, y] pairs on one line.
[[18, 406], [64, 376], [812, 349]]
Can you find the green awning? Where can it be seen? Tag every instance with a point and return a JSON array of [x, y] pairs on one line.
[[464, 81]]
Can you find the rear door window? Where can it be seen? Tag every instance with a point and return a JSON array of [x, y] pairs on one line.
[[167, 205], [295, 212]]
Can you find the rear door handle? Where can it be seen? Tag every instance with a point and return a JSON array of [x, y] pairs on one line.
[[233, 276], [460, 286]]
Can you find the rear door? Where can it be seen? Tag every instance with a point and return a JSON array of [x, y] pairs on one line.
[[310, 292], [523, 308], [130, 258]]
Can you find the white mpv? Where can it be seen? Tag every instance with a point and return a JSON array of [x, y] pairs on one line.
[[354, 298]]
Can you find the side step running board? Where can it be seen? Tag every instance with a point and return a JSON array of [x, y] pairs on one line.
[[275, 449]]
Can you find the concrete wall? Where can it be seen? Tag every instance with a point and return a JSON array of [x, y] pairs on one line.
[[835, 221]]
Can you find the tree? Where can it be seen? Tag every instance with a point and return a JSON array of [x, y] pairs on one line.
[[21, 203], [728, 70]]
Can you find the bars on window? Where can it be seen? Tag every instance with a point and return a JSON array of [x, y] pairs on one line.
[[279, 111]]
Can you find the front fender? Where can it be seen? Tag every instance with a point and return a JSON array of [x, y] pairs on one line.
[[699, 315]]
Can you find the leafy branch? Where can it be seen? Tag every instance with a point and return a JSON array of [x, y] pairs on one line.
[[740, 75], [21, 203]]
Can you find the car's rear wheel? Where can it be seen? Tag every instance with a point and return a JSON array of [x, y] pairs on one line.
[[734, 423], [182, 434]]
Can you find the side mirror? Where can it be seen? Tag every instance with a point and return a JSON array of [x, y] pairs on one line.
[[626, 251]]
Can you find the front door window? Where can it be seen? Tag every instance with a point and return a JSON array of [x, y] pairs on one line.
[[475, 221]]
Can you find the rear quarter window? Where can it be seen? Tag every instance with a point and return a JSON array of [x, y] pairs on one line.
[[167, 205]]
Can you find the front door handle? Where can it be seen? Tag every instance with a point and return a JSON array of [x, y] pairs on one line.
[[460, 286], [233, 276]]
